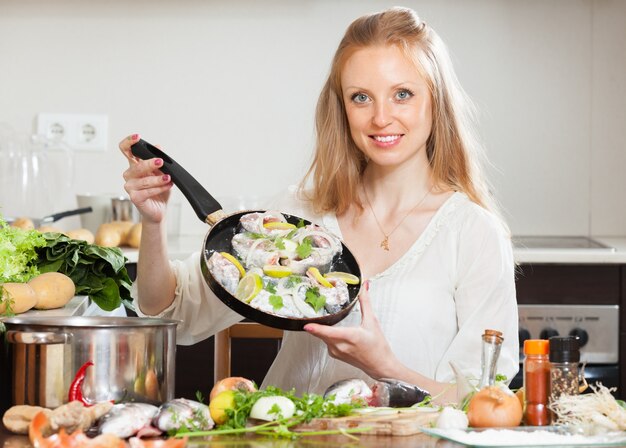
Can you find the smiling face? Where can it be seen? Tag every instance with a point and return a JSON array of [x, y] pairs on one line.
[[388, 105]]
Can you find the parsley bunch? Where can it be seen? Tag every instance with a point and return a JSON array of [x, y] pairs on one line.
[[308, 407]]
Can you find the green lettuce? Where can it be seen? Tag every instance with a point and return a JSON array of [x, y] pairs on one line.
[[18, 256]]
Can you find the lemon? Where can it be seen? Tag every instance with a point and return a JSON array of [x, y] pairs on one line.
[[218, 406], [249, 286], [278, 271], [315, 273], [279, 225], [348, 278], [234, 261]]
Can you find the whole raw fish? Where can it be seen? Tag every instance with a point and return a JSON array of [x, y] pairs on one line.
[[127, 419], [388, 392], [349, 391], [181, 413]]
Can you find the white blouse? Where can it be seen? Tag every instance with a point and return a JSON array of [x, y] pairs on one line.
[[433, 304]]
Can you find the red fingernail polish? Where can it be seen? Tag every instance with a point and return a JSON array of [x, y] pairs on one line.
[[135, 136], [166, 177], [367, 285], [158, 162]]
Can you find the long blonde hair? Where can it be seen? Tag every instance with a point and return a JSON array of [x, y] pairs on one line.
[[453, 152]]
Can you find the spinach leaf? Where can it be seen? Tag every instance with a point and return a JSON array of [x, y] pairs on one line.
[[99, 272]]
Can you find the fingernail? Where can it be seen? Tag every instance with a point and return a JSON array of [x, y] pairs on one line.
[[158, 162], [166, 178], [134, 136]]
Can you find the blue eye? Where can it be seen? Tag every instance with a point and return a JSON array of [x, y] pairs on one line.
[[360, 98], [404, 94]]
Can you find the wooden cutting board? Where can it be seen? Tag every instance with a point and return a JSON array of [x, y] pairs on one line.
[[389, 422]]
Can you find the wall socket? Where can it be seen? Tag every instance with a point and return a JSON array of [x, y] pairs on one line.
[[81, 132]]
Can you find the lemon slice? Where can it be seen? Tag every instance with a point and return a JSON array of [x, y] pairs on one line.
[[278, 271], [234, 261], [348, 278], [315, 273], [279, 225], [249, 287]]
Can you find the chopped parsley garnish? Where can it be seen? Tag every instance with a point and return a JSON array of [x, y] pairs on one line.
[[279, 243], [292, 281], [315, 299], [271, 287], [255, 236], [276, 302], [304, 249]]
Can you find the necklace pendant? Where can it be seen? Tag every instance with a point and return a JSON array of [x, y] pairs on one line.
[[385, 243]]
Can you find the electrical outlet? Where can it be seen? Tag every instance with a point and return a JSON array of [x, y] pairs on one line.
[[82, 132]]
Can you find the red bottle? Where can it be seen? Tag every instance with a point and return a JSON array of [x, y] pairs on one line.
[[536, 382]]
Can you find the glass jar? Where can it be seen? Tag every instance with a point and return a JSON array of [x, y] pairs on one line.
[[564, 358], [492, 343], [536, 382]]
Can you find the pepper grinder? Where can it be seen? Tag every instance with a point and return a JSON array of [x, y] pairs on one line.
[[564, 358]]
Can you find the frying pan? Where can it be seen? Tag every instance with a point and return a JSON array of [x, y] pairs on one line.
[[219, 237], [38, 222]]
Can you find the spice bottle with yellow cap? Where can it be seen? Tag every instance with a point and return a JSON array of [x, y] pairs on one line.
[[536, 382]]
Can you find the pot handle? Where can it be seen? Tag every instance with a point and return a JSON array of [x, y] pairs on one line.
[[37, 337]]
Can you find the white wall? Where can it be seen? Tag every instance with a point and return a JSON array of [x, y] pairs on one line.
[[229, 88]]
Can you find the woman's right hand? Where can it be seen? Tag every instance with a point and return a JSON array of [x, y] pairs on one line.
[[147, 187]]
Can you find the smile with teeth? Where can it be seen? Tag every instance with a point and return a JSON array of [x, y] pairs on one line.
[[386, 138]]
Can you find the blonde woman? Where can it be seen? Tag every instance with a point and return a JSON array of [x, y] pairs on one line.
[[395, 174]]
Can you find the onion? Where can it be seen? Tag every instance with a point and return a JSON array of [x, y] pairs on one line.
[[232, 383], [264, 407], [494, 406]]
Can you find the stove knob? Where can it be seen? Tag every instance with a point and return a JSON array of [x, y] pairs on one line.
[[523, 334], [582, 335], [547, 333]]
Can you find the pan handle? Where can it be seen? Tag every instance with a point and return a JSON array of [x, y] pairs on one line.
[[201, 200], [57, 216]]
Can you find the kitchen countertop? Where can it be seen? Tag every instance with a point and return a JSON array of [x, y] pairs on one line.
[[8, 440], [183, 246], [77, 306]]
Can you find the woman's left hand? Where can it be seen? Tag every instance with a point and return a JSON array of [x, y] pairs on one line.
[[364, 347]]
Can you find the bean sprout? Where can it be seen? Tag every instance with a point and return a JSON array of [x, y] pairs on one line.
[[598, 410]]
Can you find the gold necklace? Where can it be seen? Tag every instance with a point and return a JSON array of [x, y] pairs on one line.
[[385, 242]]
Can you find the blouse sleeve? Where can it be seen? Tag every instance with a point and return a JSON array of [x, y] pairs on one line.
[[200, 312], [484, 297]]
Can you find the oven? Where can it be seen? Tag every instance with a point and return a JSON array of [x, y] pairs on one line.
[[565, 287], [597, 329]]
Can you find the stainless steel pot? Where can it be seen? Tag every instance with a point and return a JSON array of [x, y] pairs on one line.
[[134, 359]]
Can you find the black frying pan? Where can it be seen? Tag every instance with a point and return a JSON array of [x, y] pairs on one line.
[[218, 239]]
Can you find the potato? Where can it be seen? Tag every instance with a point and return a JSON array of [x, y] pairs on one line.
[[81, 234], [108, 236], [22, 296], [112, 234], [23, 223], [53, 290], [50, 229], [133, 237]]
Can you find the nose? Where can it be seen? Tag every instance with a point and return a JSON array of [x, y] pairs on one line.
[[383, 116]]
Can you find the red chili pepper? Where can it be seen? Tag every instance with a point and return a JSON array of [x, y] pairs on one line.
[[76, 388]]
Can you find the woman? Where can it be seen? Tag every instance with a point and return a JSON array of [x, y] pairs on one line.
[[396, 175]]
